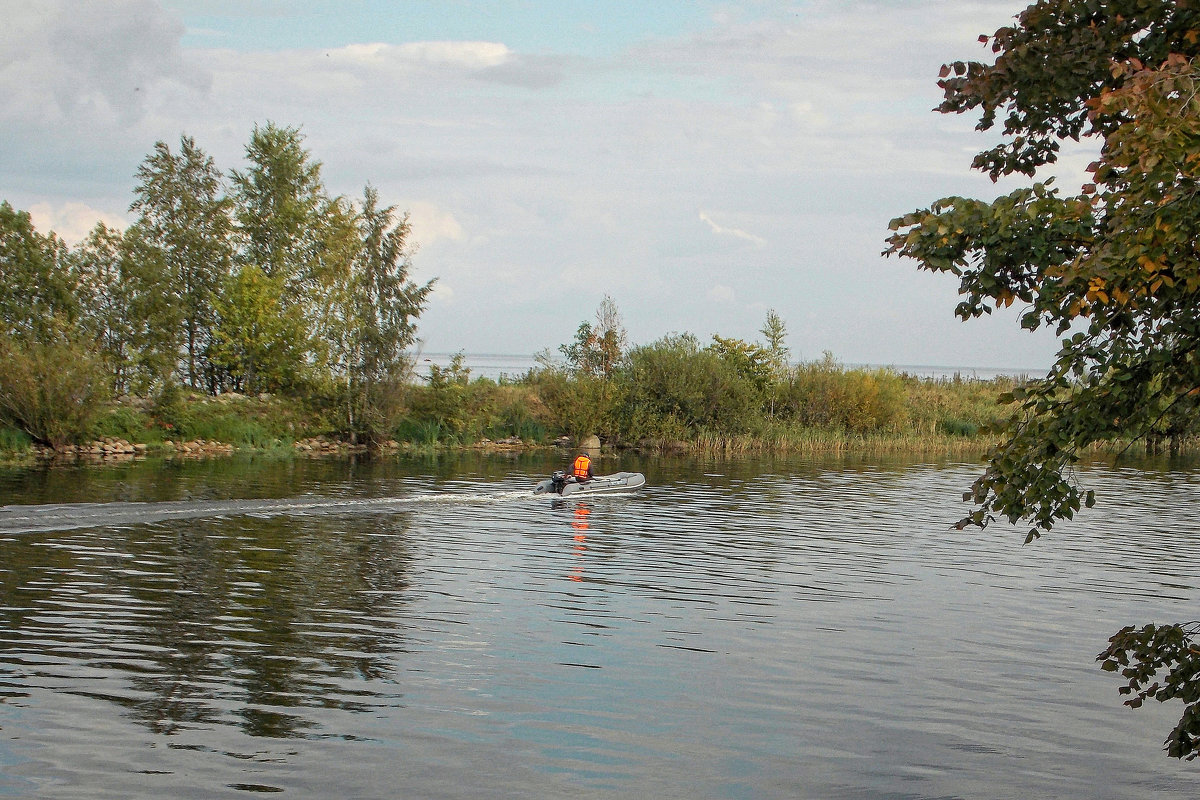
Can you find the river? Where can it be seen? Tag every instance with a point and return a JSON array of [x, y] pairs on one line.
[[788, 628]]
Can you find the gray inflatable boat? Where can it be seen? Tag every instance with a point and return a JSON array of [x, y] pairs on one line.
[[562, 484]]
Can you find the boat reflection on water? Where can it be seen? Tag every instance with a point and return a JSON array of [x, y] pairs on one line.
[[580, 525]]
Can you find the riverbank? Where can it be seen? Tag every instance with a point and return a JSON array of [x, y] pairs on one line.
[[544, 411]]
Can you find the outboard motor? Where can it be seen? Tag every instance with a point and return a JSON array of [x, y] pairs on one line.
[[558, 480]]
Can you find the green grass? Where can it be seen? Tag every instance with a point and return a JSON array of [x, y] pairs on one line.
[[14, 442]]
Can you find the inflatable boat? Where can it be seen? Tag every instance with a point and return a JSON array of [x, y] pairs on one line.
[[562, 484]]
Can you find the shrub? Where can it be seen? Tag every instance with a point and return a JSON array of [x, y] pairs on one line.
[[122, 422], [577, 405], [958, 427], [673, 387], [50, 390], [421, 432], [954, 405], [13, 440], [823, 394]]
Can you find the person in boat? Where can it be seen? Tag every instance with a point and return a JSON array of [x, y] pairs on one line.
[[581, 469]]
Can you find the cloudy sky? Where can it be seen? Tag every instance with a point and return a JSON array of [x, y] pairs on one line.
[[700, 162]]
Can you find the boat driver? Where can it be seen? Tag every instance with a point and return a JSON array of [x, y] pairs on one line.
[[581, 470]]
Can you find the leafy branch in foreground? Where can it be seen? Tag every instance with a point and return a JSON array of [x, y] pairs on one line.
[[1140, 654], [1113, 269]]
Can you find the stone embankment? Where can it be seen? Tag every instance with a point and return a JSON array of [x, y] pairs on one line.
[[115, 449], [197, 448], [108, 447], [321, 446], [511, 443]]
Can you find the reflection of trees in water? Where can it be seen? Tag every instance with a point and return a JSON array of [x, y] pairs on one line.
[[241, 621]]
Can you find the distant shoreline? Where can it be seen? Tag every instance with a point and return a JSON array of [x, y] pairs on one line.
[[514, 365]]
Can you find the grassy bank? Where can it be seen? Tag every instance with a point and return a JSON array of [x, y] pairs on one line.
[[813, 408]]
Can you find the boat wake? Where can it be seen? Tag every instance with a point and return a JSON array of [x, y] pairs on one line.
[[21, 519]]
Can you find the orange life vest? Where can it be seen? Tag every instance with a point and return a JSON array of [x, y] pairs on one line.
[[582, 468]]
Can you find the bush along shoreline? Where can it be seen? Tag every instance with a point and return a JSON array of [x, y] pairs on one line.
[[676, 395], [692, 403]]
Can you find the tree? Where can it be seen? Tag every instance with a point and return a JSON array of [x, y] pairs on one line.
[[295, 235], [184, 215], [751, 361], [774, 332], [257, 339], [377, 307], [597, 351], [50, 389], [103, 267], [50, 381], [38, 301], [156, 316], [278, 200], [1113, 268]]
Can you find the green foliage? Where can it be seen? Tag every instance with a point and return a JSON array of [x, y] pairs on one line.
[[597, 350], [1112, 268], [675, 388], [121, 422], [1059, 56], [50, 390], [374, 309], [423, 432], [823, 394], [1141, 654], [752, 362], [277, 203], [37, 302], [226, 425], [104, 288], [446, 401], [958, 427], [516, 418], [171, 411], [275, 287], [259, 341], [186, 219], [14, 441], [577, 405], [453, 409], [774, 332], [156, 319], [955, 406]]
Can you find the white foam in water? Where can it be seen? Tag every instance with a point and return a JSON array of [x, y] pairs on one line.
[[67, 516]]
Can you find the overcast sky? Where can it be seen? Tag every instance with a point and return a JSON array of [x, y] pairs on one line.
[[700, 162]]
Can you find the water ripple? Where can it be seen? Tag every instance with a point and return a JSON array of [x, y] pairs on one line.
[[777, 630]]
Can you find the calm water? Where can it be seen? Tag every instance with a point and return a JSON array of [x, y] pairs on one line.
[[772, 629]]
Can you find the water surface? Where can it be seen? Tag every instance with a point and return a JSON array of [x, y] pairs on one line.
[[777, 628]]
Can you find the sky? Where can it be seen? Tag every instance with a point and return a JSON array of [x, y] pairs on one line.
[[699, 162]]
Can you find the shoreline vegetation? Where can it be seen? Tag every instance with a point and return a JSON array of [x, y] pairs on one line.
[[694, 404], [820, 408], [254, 311], [941, 417]]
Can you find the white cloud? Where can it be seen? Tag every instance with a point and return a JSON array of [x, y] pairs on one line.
[[469, 55], [722, 294], [85, 64], [735, 232], [431, 224], [71, 222]]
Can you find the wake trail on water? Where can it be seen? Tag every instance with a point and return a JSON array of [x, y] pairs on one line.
[[20, 519]]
